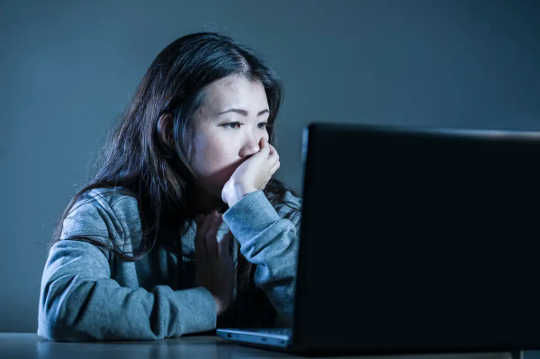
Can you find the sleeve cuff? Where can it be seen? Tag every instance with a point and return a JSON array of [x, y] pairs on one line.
[[199, 314], [250, 216]]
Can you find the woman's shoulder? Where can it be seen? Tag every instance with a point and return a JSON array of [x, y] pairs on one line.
[[113, 197], [103, 212]]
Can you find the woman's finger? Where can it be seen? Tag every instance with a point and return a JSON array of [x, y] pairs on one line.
[[274, 152], [225, 246], [211, 235], [275, 167], [264, 147], [200, 237], [198, 220], [273, 159]]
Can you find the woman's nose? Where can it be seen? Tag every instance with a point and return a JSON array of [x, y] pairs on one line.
[[250, 146]]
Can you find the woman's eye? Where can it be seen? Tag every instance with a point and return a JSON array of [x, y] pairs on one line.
[[263, 124], [232, 124]]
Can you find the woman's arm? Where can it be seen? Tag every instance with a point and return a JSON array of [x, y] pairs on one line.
[[270, 242], [80, 299]]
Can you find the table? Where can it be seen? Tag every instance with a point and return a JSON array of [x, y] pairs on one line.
[[29, 345]]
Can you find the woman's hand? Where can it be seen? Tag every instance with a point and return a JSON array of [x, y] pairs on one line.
[[214, 264], [252, 175]]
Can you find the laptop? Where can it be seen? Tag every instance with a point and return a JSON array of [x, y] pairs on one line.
[[415, 240]]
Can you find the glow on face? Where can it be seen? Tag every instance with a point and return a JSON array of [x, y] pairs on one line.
[[227, 129]]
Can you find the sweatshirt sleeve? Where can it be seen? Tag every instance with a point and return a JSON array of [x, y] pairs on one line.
[[80, 301], [271, 243]]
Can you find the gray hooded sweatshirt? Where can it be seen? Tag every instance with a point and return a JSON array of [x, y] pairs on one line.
[[88, 293]]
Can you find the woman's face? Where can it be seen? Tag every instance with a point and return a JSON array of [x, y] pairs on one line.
[[227, 129]]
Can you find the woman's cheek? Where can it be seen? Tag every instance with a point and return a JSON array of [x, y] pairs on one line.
[[218, 161]]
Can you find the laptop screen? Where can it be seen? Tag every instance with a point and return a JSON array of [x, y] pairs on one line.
[[419, 238]]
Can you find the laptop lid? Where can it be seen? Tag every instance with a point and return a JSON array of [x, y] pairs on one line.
[[416, 240]]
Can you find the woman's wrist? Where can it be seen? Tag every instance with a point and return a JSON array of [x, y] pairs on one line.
[[235, 194]]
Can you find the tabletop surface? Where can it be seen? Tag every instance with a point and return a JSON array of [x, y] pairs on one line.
[[29, 345]]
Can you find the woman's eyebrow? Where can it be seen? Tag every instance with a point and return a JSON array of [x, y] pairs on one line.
[[242, 112]]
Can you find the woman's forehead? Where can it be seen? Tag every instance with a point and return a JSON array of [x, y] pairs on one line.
[[235, 91]]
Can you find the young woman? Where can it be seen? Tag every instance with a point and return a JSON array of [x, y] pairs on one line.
[[183, 227]]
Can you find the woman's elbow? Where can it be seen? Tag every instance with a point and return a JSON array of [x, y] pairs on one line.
[[56, 327], [55, 320]]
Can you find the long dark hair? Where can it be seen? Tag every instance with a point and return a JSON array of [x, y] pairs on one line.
[[137, 158]]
